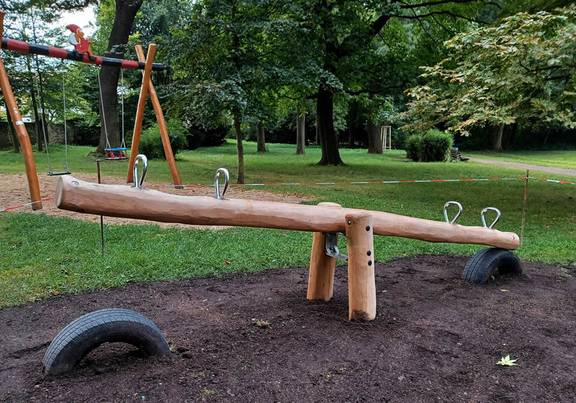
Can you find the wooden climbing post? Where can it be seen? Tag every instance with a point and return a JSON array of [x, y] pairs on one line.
[[361, 279], [144, 89], [21, 132], [322, 267], [161, 125]]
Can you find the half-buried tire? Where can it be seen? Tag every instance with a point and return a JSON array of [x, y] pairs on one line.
[[104, 326], [489, 263]]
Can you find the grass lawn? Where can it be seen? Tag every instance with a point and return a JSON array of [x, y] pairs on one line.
[[556, 158], [42, 256]]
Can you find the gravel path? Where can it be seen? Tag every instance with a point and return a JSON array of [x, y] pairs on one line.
[[532, 167]]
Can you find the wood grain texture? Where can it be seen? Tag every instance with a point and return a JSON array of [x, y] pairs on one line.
[[361, 278], [322, 266], [23, 139], [124, 201]]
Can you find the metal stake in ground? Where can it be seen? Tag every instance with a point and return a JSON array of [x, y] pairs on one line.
[[102, 239], [524, 205]]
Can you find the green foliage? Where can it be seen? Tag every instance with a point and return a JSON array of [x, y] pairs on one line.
[[436, 146], [151, 143], [519, 71], [413, 146], [432, 146]]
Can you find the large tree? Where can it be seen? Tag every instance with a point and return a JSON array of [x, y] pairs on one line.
[[344, 31], [519, 71], [124, 14]]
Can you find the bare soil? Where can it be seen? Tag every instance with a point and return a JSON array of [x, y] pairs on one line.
[[14, 195], [435, 338]]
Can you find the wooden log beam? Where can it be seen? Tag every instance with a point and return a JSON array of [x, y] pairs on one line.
[[361, 278], [144, 91], [322, 267], [23, 138], [163, 128], [124, 201]]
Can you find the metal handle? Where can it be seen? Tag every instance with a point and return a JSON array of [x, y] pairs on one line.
[[483, 216], [458, 214], [139, 179], [221, 171]]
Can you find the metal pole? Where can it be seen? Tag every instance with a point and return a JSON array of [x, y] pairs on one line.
[[524, 205], [102, 238]]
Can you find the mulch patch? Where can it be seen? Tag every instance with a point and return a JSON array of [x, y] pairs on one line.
[[254, 337]]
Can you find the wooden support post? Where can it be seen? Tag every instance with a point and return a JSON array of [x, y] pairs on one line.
[[21, 133], [322, 266], [361, 280], [144, 89], [161, 125]]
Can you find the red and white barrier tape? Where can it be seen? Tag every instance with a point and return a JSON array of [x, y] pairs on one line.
[[368, 182], [19, 206]]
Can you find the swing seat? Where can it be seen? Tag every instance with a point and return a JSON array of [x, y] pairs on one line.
[[116, 153], [58, 173]]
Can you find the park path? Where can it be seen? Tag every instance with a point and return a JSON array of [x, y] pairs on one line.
[[522, 165]]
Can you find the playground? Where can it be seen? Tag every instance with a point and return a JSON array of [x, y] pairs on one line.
[[253, 337], [392, 268]]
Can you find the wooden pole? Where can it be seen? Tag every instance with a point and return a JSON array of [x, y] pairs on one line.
[[322, 267], [21, 133], [161, 125], [361, 280], [128, 202], [144, 90]]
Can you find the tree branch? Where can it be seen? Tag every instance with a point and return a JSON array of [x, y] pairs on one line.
[[443, 12], [441, 2]]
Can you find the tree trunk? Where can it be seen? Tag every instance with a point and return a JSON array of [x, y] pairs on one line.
[[375, 143], [317, 130], [261, 137], [11, 132], [328, 137], [239, 146], [301, 133], [42, 136], [125, 13], [497, 140]]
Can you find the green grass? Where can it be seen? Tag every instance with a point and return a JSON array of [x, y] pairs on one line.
[[42, 256], [557, 158]]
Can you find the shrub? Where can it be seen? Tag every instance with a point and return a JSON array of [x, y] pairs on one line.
[[151, 143], [413, 146], [434, 145]]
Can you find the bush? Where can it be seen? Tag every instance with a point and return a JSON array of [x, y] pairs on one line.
[[199, 136], [413, 146], [434, 145], [151, 143]]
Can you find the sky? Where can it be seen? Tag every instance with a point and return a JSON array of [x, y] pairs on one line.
[[84, 18]]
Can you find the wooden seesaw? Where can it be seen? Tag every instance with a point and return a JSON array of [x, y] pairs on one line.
[[325, 220]]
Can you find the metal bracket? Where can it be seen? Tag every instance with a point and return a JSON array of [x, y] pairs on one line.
[[496, 219], [331, 246]]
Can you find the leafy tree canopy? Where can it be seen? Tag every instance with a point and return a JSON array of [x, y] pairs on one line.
[[520, 70]]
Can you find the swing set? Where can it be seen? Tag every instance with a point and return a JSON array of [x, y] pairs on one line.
[[145, 63]]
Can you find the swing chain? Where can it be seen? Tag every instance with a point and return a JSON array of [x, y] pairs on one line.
[[139, 179]]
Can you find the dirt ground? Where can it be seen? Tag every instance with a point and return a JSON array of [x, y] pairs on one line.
[[435, 338], [14, 196]]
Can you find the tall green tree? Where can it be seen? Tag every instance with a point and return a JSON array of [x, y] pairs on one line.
[[519, 71]]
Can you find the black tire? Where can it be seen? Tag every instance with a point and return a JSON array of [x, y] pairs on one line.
[[489, 263], [104, 326]]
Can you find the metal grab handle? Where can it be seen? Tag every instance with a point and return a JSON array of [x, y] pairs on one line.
[[483, 216], [221, 171], [458, 214], [139, 179]]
